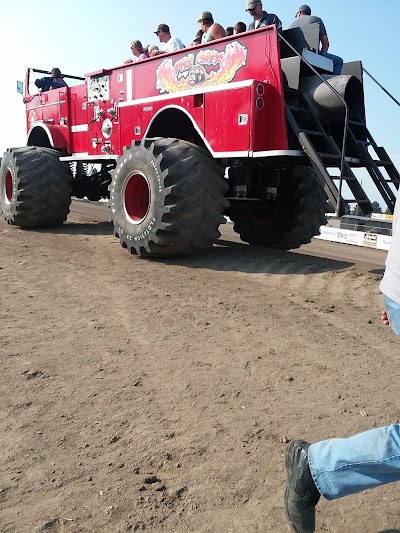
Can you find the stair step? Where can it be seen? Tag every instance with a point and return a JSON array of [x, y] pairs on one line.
[[381, 163], [313, 132], [356, 123], [365, 143], [299, 109], [345, 178], [354, 201], [325, 155]]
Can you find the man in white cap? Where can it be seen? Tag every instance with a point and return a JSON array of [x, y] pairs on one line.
[[303, 18], [261, 18]]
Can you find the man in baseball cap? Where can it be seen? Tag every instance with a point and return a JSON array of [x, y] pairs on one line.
[[54, 81], [304, 18], [304, 9], [170, 44], [261, 18], [211, 29]]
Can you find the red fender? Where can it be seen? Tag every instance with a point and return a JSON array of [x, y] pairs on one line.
[[58, 136]]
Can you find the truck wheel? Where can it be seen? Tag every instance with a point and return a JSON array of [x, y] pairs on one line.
[[35, 187], [298, 214], [167, 198]]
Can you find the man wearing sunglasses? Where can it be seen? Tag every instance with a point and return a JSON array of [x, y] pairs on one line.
[[170, 44], [261, 18]]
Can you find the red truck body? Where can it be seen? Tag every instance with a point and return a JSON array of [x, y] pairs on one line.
[[231, 91]]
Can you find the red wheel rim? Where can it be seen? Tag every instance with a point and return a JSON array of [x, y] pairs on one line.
[[8, 190], [261, 221], [136, 197]]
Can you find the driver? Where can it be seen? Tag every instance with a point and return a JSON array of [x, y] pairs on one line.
[[54, 82]]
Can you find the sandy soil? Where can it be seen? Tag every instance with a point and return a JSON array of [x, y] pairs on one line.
[[159, 396]]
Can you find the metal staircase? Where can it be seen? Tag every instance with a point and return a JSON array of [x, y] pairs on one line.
[[319, 144]]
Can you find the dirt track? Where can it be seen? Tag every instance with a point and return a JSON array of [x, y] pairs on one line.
[[140, 395]]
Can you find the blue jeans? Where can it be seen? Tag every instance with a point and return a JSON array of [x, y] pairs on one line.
[[393, 313], [345, 466], [341, 467], [337, 62]]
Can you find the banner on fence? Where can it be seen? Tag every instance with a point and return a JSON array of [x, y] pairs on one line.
[[356, 238]]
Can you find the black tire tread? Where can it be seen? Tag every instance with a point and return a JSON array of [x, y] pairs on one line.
[[194, 199], [306, 215], [44, 188]]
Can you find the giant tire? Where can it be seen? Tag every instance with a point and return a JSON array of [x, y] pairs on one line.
[[167, 198], [298, 214], [35, 187]]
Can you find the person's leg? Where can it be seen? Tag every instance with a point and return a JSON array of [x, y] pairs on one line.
[[301, 494], [393, 314], [337, 62], [337, 468], [341, 467]]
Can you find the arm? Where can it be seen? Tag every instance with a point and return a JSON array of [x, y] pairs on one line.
[[156, 53], [278, 23], [44, 83], [324, 43]]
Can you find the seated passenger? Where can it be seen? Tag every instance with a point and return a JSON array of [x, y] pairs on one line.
[[261, 18], [239, 27], [138, 51], [54, 82], [197, 39], [170, 44], [211, 29], [229, 31], [150, 49], [303, 17]]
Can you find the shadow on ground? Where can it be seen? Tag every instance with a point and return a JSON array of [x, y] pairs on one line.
[[79, 228], [229, 256], [226, 256]]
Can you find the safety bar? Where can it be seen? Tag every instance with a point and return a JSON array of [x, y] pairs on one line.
[[64, 75], [381, 86]]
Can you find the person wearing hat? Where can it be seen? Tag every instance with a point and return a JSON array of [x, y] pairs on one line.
[[55, 81], [211, 29], [261, 18], [303, 18], [170, 44]]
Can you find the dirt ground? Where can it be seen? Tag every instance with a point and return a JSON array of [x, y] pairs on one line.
[[159, 396]]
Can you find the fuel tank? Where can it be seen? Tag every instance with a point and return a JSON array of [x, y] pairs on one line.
[[327, 106]]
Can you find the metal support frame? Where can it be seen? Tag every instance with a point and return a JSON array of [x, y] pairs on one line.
[[346, 122]]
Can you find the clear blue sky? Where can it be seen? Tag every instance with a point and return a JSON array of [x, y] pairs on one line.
[[81, 36]]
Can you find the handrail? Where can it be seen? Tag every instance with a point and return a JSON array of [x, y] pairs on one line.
[[346, 121], [381, 86], [39, 71]]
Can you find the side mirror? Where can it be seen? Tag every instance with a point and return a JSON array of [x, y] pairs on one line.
[[20, 87]]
